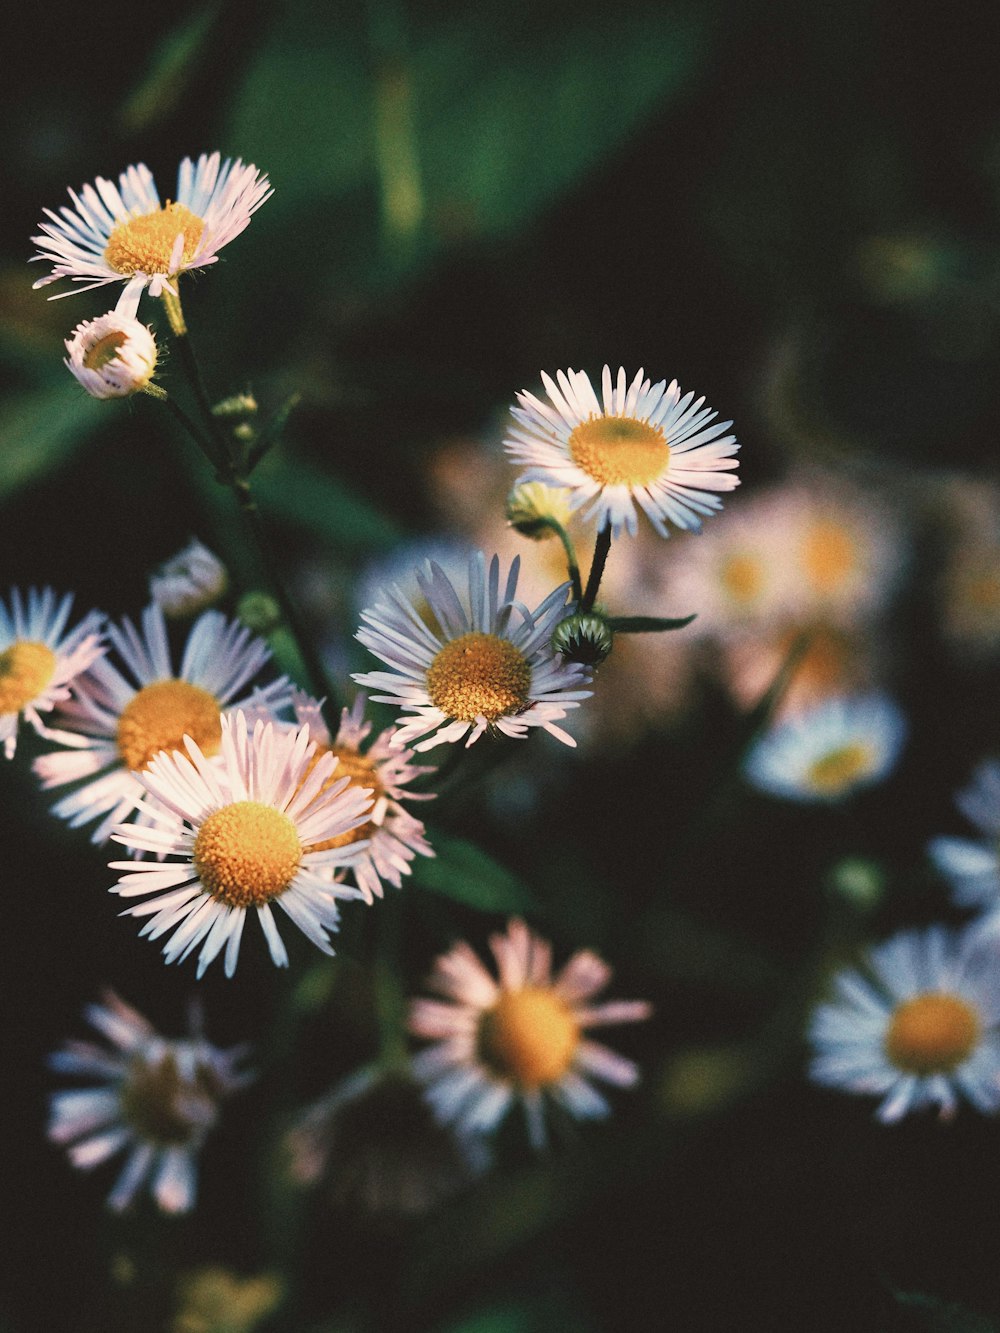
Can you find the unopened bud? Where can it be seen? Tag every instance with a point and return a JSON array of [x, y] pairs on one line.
[[533, 506], [585, 637], [189, 582], [259, 612], [239, 405], [858, 881], [112, 356]]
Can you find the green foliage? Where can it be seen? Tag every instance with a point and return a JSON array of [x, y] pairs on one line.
[[460, 871], [295, 491], [41, 429]]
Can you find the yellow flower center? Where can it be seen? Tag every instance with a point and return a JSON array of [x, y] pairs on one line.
[[829, 554], [839, 769], [26, 667], [529, 1035], [362, 773], [742, 577], [931, 1034], [160, 715], [619, 451], [163, 1106], [247, 853], [104, 350], [144, 244], [479, 674]]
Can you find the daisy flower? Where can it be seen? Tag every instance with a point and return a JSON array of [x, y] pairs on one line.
[[644, 446], [246, 833], [918, 1028], [393, 836], [153, 1097], [473, 670], [829, 751], [973, 867], [112, 356], [519, 1037], [189, 582], [39, 659], [117, 723], [124, 234]]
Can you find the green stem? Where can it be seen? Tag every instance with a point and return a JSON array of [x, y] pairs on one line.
[[572, 566], [601, 548]]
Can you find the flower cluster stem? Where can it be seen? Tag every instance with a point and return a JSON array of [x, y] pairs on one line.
[[601, 548]]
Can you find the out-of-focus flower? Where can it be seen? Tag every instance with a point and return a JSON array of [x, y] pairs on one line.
[[378, 1147], [828, 661], [214, 1300], [488, 668], [644, 447], [112, 356], [117, 723], [532, 507], [251, 826], [830, 751], [38, 659], [918, 1028], [393, 835], [969, 592], [155, 1098], [517, 1038], [973, 867], [189, 582], [124, 234]]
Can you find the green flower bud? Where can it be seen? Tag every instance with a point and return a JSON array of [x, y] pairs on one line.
[[584, 637], [259, 612], [532, 505]]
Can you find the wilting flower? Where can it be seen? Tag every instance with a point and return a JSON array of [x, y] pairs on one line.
[[829, 751], [153, 1097], [376, 1143], [973, 867], [918, 1028], [117, 723], [124, 234], [247, 833], [520, 1037], [38, 659], [112, 356], [393, 836], [189, 582], [644, 446], [488, 668]]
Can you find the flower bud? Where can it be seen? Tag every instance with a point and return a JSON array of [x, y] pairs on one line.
[[532, 505], [112, 356], [259, 612], [189, 582], [585, 637], [239, 405]]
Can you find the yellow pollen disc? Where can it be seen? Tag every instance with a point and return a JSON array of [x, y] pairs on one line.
[[145, 244], [160, 715], [619, 451], [837, 770], [479, 674], [931, 1034], [26, 667], [362, 773], [742, 576], [247, 853], [828, 554], [163, 1106], [104, 350], [530, 1035]]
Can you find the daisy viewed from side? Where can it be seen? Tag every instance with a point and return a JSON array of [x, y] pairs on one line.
[[518, 1037], [828, 751], [39, 659], [641, 446], [118, 722], [155, 1099], [485, 665], [973, 867], [245, 833], [920, 1027], [393, 836], [189, 582], [124, 234]]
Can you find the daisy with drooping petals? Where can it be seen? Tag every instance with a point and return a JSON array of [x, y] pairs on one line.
[[117, 723], [920, 1028], [247, 832], [155, 1098], [488, 668], [113, 356], [124, 234], [393, 835], [829, 751], [38, 659], [645, 446], [973, 867], [520, 1037]]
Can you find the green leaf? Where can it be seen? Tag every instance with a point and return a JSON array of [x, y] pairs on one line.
[[40, 430], [295, 491], [460, 871], [648, 624], [170, 73]]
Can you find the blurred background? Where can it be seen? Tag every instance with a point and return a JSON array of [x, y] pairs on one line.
[[791, 208]]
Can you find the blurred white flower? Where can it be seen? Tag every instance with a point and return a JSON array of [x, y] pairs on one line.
[[190, 581]]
